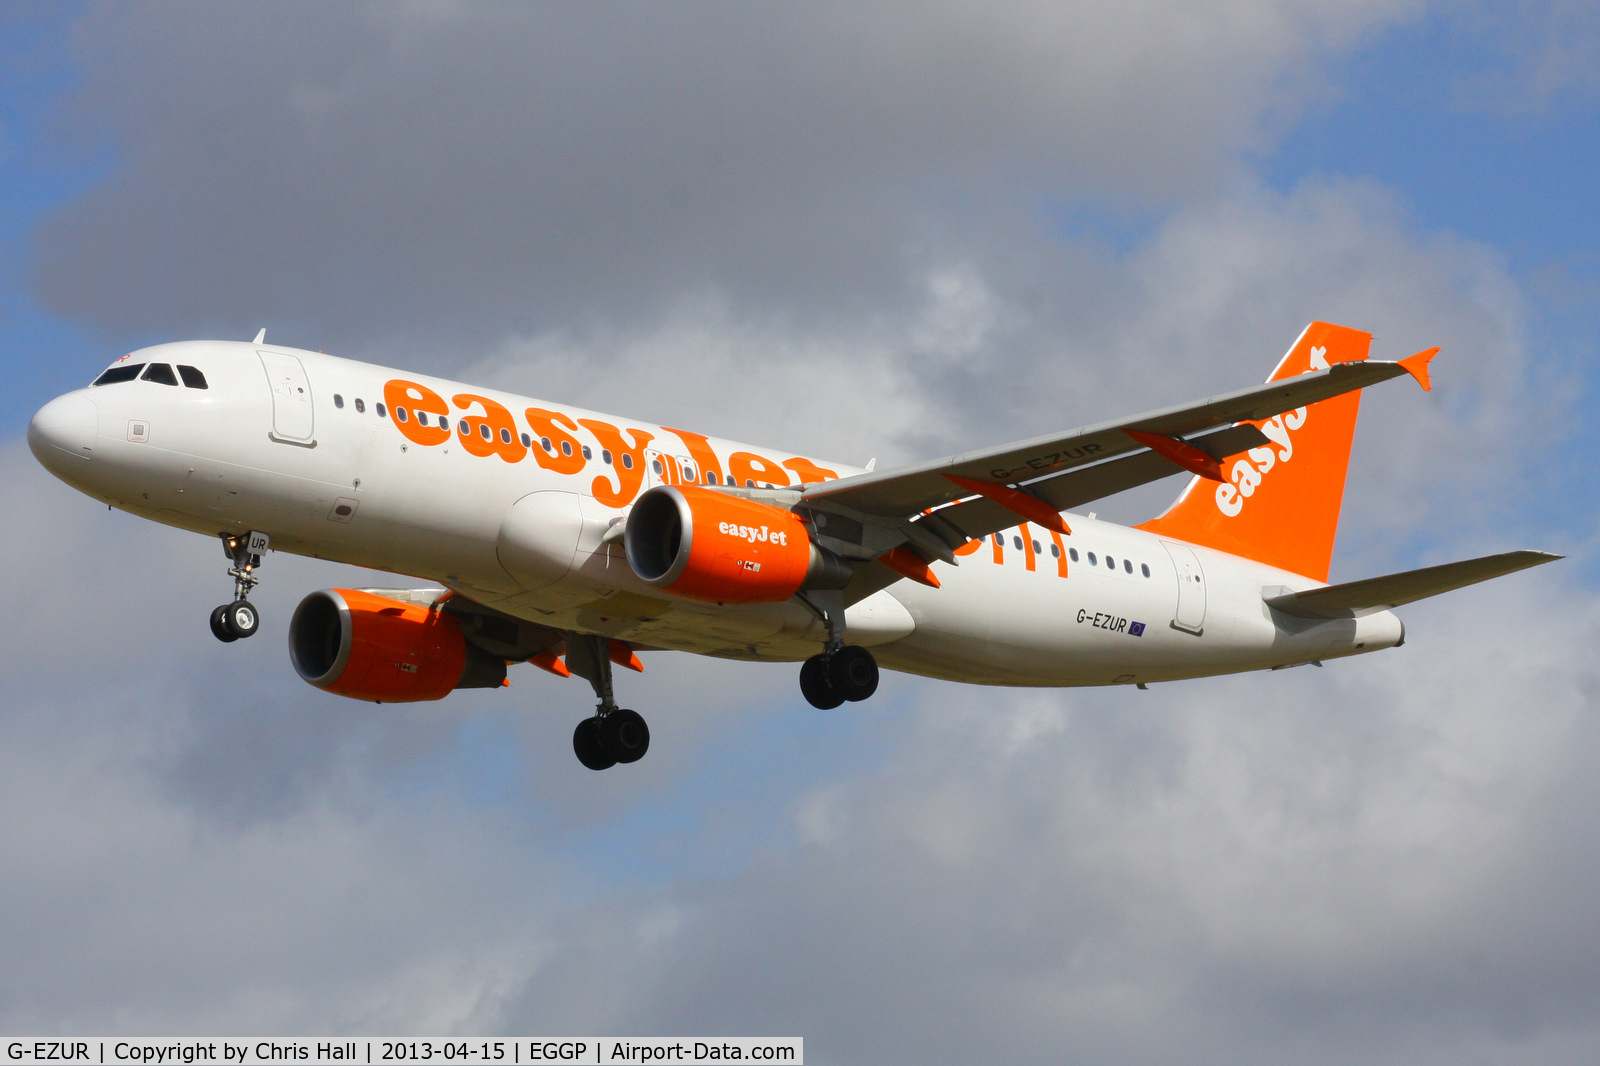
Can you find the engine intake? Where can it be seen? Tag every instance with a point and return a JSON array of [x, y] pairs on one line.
[[370, 647], [712, 546]]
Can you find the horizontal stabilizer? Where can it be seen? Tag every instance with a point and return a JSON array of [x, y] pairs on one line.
[[1381, 593]]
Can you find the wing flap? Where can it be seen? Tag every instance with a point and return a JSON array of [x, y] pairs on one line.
[[1392, 590]]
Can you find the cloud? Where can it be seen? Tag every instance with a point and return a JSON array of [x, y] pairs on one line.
[[439, 175], [1324, 865], [1547, 53]]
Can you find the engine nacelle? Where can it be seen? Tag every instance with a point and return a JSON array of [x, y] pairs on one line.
[[712, 546], [370, 647]]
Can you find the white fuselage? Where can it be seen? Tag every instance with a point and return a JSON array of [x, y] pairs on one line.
[[266, 446]]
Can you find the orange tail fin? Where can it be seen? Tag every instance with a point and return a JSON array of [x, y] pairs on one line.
[[1280, 502]]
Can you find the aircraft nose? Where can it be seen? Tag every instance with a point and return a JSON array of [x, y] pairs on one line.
[[64, 426]]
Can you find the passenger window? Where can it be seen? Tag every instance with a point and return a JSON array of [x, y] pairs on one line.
[[527, 441], [566, 447], [400, 413], [192, 378], [483, 430], [1055, 551], [119, 373], [505, 435], [1072, 553], [749, 484], [1111, 563], [711, 477], [361, 405], [378, 407], [587, 454], [1036, 548], [655, 464], [1127, 566], [1092, 560], [1016, 542], [338, 401], [544, 442], [422, 418], [1146, 568], [161, 374], [627, 461], [605, 456]]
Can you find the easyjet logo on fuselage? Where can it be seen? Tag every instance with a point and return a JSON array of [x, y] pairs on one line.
[[1245, 475], [485, 427]]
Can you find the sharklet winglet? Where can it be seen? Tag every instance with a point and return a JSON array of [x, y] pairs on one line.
[[1417, 367]]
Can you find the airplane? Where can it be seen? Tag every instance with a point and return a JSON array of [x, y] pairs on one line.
[[574, 540]]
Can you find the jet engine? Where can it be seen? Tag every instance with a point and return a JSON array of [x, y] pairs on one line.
[[706, 545], [370, 647]]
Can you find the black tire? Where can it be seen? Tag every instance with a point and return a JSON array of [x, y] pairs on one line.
[[854, 673], [815, 686], [587, 746], [219, 625], [625, 734], [242, 619]]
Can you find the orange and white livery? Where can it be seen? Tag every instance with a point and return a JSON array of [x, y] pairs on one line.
[[574, 540]]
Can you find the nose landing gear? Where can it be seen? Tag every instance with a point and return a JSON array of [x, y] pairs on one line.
[[615, 734], [240, 618]]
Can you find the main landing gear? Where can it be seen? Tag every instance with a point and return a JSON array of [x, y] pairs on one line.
[[240, 618], [615, 734], [850, 673], [842, 672]]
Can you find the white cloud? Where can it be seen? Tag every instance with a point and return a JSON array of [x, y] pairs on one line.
[[430, 176]]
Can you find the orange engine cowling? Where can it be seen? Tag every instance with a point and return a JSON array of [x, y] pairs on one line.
[[702, 544], [370, 647]]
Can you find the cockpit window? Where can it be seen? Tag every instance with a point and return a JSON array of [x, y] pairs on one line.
[[192, 376], [161, 374], [119, 373]]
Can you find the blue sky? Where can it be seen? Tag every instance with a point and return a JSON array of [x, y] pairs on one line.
[[959, 232]]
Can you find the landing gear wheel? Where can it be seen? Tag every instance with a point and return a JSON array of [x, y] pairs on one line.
[[815, 686], [588, 746], [241, 619], [853, 673], [625, 735], [219, 625]]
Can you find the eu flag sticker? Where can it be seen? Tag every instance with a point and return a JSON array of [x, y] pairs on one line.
[[1135, 629]]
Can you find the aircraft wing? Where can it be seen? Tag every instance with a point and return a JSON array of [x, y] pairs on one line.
[[980, 516], [1355, 598], [1069, 469]]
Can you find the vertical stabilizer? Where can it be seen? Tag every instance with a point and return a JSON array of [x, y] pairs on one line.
[[1279, 504]]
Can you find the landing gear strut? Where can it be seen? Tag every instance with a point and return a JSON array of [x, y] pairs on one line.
[[240, 618], [615, 734], [843, 671]]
